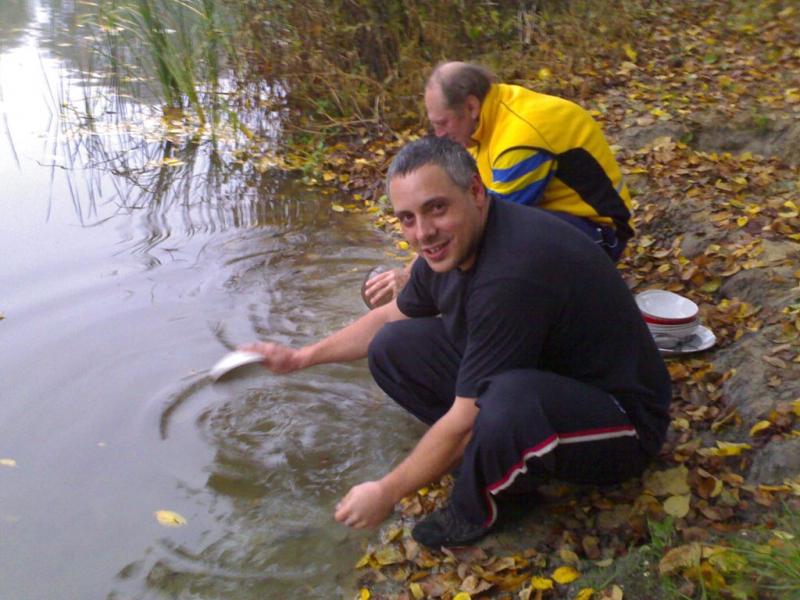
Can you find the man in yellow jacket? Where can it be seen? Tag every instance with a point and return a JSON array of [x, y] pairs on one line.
[[531, 149]]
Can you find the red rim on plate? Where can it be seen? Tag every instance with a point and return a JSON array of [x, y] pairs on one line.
[[666, 321]]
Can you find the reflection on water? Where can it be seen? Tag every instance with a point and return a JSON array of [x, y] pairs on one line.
[[128, 266]]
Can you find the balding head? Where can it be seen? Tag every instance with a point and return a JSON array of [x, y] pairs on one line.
[[458, 80]]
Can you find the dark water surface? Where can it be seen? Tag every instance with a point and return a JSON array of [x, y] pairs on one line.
[[118, 293]]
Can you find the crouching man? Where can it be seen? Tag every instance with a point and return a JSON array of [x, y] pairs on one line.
[[515, 339]]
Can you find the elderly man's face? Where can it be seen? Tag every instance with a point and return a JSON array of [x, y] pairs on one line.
[[455, 123], [442, 222]]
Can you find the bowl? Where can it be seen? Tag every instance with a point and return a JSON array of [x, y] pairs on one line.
[[666, 308]]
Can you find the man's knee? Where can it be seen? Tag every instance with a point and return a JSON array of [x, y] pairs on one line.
[[389, 340], [508, 398]]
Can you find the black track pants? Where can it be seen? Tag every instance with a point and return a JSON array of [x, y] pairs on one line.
[[532, 425]]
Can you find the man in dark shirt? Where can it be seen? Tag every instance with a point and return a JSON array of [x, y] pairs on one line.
[[517, 341]]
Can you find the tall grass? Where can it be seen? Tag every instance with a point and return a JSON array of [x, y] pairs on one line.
[[182, 48]]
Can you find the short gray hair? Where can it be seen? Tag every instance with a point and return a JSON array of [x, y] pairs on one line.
[[457, 80], [442, 152]]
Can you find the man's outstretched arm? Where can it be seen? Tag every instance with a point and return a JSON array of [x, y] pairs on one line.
[[349, 343], [369, 503]]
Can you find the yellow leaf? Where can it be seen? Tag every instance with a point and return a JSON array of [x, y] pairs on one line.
[[337, 208], [616, 593], [711, 286], [759, 427], [542, 583], [565, 575], [721, 185], [462, 596], [585, 594], [389, 555], [8, 462], [742, 221], [544, 74], [364, 561], [774, 488], [416, 591], [731, 448], [670, 482], [329, 176], [796, 407], [630, 52], [402, 245], [171, 162], [677, 506], [753, 209], [364, 594], [168, 518]]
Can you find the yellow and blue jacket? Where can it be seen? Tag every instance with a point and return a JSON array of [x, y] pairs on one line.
[[546, 151]]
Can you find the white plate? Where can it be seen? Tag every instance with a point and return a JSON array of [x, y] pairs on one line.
[[233, 360], [703, 339], [662, 304]]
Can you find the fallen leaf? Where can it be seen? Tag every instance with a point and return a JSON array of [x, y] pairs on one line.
[[725, 449], [615, 593], [759, 427], [585, 594], [168, 518], [389, 555], [670, 482], [416, 591], [680, 558], [337, 208], [565, 575], [677, 506], [542, 583], [8, 462], [774, 361]]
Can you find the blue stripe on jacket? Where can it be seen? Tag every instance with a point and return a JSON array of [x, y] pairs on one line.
[[523, 167], [529, 195]]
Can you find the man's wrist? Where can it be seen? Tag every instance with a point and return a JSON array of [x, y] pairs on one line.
[[305, 357]]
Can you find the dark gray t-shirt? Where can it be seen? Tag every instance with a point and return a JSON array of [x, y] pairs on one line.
[[542, 295]]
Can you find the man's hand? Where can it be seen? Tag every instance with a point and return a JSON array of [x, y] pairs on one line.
[[365, 505], [278, 359], [383, 287]]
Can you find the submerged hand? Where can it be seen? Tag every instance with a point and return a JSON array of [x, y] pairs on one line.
[[277, 358], [365, 505], [383, 287]]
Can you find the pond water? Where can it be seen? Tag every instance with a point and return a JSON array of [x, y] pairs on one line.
[[118, 293]]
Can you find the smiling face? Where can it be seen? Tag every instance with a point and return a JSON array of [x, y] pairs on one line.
[[441, 221], [456, 123]]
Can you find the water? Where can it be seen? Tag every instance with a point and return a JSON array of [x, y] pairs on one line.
[[119, 292]]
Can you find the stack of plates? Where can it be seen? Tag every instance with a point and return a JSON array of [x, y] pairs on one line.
[[674, 322]]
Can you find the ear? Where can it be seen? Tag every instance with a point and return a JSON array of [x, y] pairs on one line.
[[478, 191], [473, 106]]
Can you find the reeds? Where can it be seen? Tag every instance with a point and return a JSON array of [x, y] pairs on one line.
[[182, 48]]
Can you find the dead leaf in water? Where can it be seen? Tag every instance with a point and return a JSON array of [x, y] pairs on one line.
[[168, 518]]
